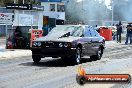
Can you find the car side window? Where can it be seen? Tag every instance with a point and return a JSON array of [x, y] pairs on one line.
[[87, 33], [94, 33]]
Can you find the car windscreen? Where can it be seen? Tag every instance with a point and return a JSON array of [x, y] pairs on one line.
[[59, 31], [78, 32]]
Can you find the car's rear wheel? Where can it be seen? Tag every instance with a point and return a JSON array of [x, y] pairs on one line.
[[76, 58], [98, 55], [36, 58]]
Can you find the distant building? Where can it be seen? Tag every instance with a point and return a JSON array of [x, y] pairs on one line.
[[54, 9]]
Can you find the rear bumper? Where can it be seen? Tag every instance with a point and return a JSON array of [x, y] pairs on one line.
[[53, 52]]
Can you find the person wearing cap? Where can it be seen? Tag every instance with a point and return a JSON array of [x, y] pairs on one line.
[[129, 33]]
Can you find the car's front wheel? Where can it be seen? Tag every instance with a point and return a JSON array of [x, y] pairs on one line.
[[36, 58], [76, 58]]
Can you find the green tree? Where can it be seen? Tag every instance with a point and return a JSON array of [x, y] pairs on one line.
[[122, 9], [88, 11]]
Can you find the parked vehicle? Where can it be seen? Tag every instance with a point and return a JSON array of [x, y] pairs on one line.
[[69, 42]]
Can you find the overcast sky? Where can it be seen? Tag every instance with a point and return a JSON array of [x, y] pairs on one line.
[[107, 2]]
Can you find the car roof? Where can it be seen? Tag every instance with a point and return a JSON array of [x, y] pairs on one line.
[[85, 27], [70, 25]]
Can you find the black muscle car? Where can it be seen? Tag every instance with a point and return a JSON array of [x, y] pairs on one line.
[[70, 42]]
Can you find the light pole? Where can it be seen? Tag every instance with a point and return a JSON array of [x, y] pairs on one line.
[[112, 11], [82, 12]]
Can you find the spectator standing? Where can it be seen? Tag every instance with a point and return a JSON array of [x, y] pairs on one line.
[[129, 33], [119, 31]]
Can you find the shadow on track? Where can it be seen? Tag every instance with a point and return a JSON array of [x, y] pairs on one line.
[[56, 62]]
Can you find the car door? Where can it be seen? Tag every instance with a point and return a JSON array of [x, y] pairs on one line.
[[87, 43], [95, 41]]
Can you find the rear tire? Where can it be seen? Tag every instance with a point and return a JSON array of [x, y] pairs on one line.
[[98, 55], [36, 58]]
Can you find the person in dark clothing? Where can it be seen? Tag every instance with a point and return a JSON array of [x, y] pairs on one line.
[[129, 33], [17, 36], [119, 31], [17, 32]]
